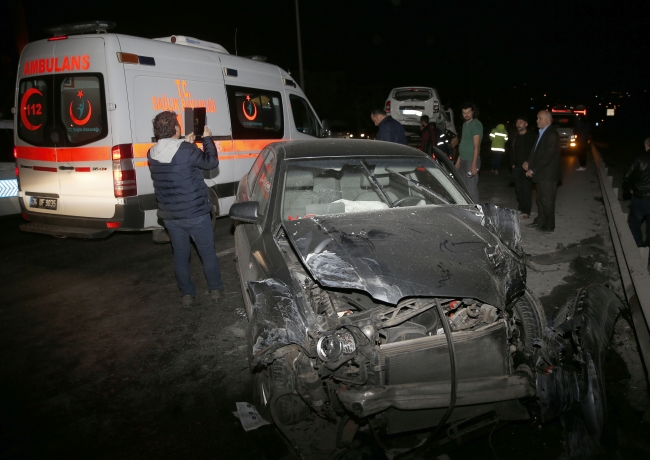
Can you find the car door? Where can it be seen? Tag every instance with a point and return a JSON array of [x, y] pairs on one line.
[[250, 257]]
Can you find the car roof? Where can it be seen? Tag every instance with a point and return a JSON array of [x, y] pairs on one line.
[[345, 148]]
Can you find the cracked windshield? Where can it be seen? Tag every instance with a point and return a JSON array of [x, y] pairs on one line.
[[342, 185]]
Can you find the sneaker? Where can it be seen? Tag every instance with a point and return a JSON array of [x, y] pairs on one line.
[[187, 300], [524, 216], [217, 297], [581, 168]]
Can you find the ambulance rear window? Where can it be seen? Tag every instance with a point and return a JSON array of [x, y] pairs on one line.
[[62, 110], [34, 109], [82, 109], [412, 95], [255, 113]]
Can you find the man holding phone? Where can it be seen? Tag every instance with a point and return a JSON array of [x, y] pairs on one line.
[[184, 202]]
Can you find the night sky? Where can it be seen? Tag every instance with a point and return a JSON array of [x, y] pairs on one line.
[[498, 54]]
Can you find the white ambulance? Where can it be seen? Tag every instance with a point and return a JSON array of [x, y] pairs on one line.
[[83, 123]]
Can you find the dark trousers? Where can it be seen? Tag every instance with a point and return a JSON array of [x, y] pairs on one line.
[[199, 229], [583, 149], [524, 189], [546, 192], [639, 211]]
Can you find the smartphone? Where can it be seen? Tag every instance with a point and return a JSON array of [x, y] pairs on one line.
[[195, 119]]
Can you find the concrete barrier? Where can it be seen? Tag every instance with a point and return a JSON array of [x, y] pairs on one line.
[[632, 261]]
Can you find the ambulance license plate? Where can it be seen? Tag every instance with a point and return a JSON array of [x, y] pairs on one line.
[[45, 203]]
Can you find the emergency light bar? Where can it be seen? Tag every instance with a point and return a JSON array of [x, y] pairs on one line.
[[98, 27]]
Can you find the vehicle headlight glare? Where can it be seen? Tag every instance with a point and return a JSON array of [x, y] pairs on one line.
[[332, 347]]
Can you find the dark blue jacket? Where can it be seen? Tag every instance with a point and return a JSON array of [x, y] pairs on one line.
[[391, 130], [178, 179]]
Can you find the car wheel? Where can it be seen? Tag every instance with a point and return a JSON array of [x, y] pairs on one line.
[[530, 320]]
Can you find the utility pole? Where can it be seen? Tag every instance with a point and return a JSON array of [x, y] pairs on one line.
[[302, 76]]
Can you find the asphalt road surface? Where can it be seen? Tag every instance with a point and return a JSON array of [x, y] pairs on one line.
[[98, 360]]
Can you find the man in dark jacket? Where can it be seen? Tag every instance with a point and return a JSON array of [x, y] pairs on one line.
[[184, 202], [545, 169], [432, 137], [390, 130], [637, 181], [521, 144]]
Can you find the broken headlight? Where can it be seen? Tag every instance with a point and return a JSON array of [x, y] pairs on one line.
[[333, 346]]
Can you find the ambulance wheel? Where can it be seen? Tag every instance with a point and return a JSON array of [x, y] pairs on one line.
[[214, 212]]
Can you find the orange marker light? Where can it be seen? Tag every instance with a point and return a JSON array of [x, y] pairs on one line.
[[127, 58]]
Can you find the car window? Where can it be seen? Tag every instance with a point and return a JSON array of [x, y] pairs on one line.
[[264, 182], [343, 185], [304, 117], [255, 113], [255, 169], [564, 121], [412, 95]]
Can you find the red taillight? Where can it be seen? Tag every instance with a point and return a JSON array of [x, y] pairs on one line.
[[16, 168], [124, 181], [24, 216], [122, 151], [15, 153], [60, 37], [113, 224], [387, 107]]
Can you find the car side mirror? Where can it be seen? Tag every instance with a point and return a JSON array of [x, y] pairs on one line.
[[246, 211]]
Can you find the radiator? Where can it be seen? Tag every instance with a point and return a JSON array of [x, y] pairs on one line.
[[480, 353]]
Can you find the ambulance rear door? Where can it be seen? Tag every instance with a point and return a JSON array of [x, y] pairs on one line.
[[64, 147]]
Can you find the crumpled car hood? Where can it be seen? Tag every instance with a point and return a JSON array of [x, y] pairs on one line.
[[403, 252]]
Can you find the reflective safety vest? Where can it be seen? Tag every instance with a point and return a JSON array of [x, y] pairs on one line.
[[499, 136]]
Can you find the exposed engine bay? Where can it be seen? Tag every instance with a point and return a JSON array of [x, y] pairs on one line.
[[355, 368]]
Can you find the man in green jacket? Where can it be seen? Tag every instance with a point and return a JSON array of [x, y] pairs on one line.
[[498, 136], [469, 161]]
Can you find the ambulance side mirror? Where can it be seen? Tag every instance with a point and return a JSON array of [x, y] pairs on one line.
[[246, 211]]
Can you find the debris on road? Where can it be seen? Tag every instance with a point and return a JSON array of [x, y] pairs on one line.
[[249, 417]]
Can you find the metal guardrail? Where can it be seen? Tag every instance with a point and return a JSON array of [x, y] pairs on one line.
[[632, 261]]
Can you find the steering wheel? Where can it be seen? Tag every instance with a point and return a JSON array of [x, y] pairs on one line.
[[406, 199]]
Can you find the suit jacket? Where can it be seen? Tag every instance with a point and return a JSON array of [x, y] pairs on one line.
[[545, 158]]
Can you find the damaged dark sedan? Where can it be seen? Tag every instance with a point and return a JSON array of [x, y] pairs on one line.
[[384, 305]]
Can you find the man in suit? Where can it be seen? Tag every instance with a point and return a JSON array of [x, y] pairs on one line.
[[545, 170]]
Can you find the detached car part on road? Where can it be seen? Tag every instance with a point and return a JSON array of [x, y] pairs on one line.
[[383, 304]]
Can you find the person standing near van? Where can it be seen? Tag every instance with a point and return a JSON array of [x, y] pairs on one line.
[[545, 169], [469, 161], [184, 202], [429, 135], [521, 145], [498, 136], [390, 130], [582, 130]]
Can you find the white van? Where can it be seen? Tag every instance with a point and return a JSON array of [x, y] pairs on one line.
[[84, 111], [408, 104]]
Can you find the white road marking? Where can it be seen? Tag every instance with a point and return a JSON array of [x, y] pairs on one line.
[[226, 252]]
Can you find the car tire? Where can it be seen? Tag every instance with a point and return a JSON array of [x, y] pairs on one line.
[[530, 319]]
